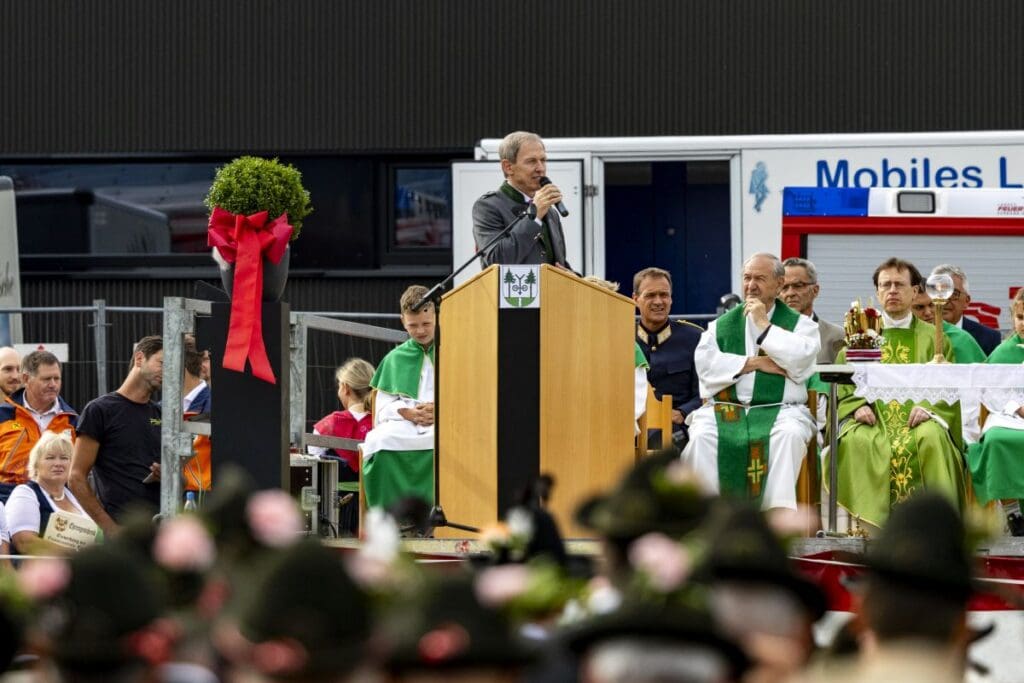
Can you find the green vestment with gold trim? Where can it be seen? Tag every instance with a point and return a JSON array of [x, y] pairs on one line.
[[883, 464]]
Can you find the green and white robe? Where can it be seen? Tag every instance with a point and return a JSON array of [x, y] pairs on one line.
[[753, 464], [997, 461], [398, 454]]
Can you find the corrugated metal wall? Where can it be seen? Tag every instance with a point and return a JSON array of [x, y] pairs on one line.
[[122, 76], [325, 351]]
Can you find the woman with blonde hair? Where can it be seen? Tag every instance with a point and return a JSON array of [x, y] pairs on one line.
[[353, 422], [30, 505]]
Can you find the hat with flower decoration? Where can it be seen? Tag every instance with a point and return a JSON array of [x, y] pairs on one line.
[[447, 627], [304, 617], [658, 494], [744, 548], [99, 612]]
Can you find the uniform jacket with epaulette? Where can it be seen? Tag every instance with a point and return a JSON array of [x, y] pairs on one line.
[[670, 353]]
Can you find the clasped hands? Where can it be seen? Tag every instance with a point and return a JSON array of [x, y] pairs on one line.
[[422, 414], [865, 415]]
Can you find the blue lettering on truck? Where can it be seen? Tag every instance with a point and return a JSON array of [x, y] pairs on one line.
[[917, 173]]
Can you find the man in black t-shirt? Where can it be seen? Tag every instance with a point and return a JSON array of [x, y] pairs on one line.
[[119, 441]]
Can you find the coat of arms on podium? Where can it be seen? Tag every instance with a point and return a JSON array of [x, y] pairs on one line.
[[520, 286]]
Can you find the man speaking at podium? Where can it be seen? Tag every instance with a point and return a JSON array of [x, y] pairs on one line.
[[536, 238]]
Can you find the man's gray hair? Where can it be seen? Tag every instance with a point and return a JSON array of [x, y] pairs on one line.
[[950, 269], [778, 270], [508, 148], [794, 262], [635, 660]]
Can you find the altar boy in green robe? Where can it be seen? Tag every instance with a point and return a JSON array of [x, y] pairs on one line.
[[398, 454], [997, 461], [890, 450]]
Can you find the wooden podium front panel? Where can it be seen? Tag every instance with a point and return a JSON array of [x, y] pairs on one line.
[[467, 403], [586, 395]]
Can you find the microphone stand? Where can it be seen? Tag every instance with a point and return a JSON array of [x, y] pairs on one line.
[[436, 517]]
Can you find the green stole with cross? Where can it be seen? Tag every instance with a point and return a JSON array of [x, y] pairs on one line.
[[545, 232], [742, 430]]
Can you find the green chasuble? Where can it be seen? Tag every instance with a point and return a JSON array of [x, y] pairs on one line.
[[391, 475], [883, 464], [997, 461], [965, 348], [743, 435]]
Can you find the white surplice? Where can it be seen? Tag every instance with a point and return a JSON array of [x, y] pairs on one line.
[[391, 431]]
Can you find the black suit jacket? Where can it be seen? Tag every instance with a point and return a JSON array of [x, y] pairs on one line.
[[987, 338], [495, 210]]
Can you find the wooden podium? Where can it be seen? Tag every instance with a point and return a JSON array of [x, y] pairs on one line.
[[530, 390]]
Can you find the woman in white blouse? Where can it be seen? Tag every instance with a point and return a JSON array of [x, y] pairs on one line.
[[30, 505]]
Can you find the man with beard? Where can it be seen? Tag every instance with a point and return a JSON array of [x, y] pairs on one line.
[[10, 370], [119, 440], [750, 437]]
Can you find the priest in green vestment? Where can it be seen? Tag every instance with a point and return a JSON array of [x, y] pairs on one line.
[[398, 453], [890, 450], [997, 461], [749, 439]]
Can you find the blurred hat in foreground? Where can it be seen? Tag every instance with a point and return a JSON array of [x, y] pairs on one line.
[[743, 548], [658, 494], [447, 628], [303, 618]]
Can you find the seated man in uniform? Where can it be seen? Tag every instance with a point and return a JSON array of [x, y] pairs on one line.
[[888, 450], [398, 454], [668, 347], [750, 437]]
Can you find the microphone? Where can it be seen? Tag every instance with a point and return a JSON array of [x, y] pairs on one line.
[[560, 207]]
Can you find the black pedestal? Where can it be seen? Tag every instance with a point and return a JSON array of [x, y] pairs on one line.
[[249, 416]]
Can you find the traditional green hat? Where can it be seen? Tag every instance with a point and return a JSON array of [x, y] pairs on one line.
[[98, 621], [924, 545], [448, 628], [649, 498], [305, 616], [743, 548]]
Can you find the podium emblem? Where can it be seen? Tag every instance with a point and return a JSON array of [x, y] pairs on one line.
[[520, 286]]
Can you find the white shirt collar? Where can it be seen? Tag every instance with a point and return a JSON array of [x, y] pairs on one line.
[[960, 323], [52, 410], [901, 324], [187, 399]]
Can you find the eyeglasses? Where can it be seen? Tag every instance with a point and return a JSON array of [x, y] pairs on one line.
[[956, 295], [797, 285]]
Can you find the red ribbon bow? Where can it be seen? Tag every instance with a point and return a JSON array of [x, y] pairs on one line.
[[244, 241]]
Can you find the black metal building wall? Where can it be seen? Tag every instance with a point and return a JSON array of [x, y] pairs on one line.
[[123, 76]]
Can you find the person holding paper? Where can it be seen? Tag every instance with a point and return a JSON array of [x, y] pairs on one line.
[[31, 505]]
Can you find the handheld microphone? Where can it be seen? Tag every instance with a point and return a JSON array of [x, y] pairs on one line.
[[560, 207]]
